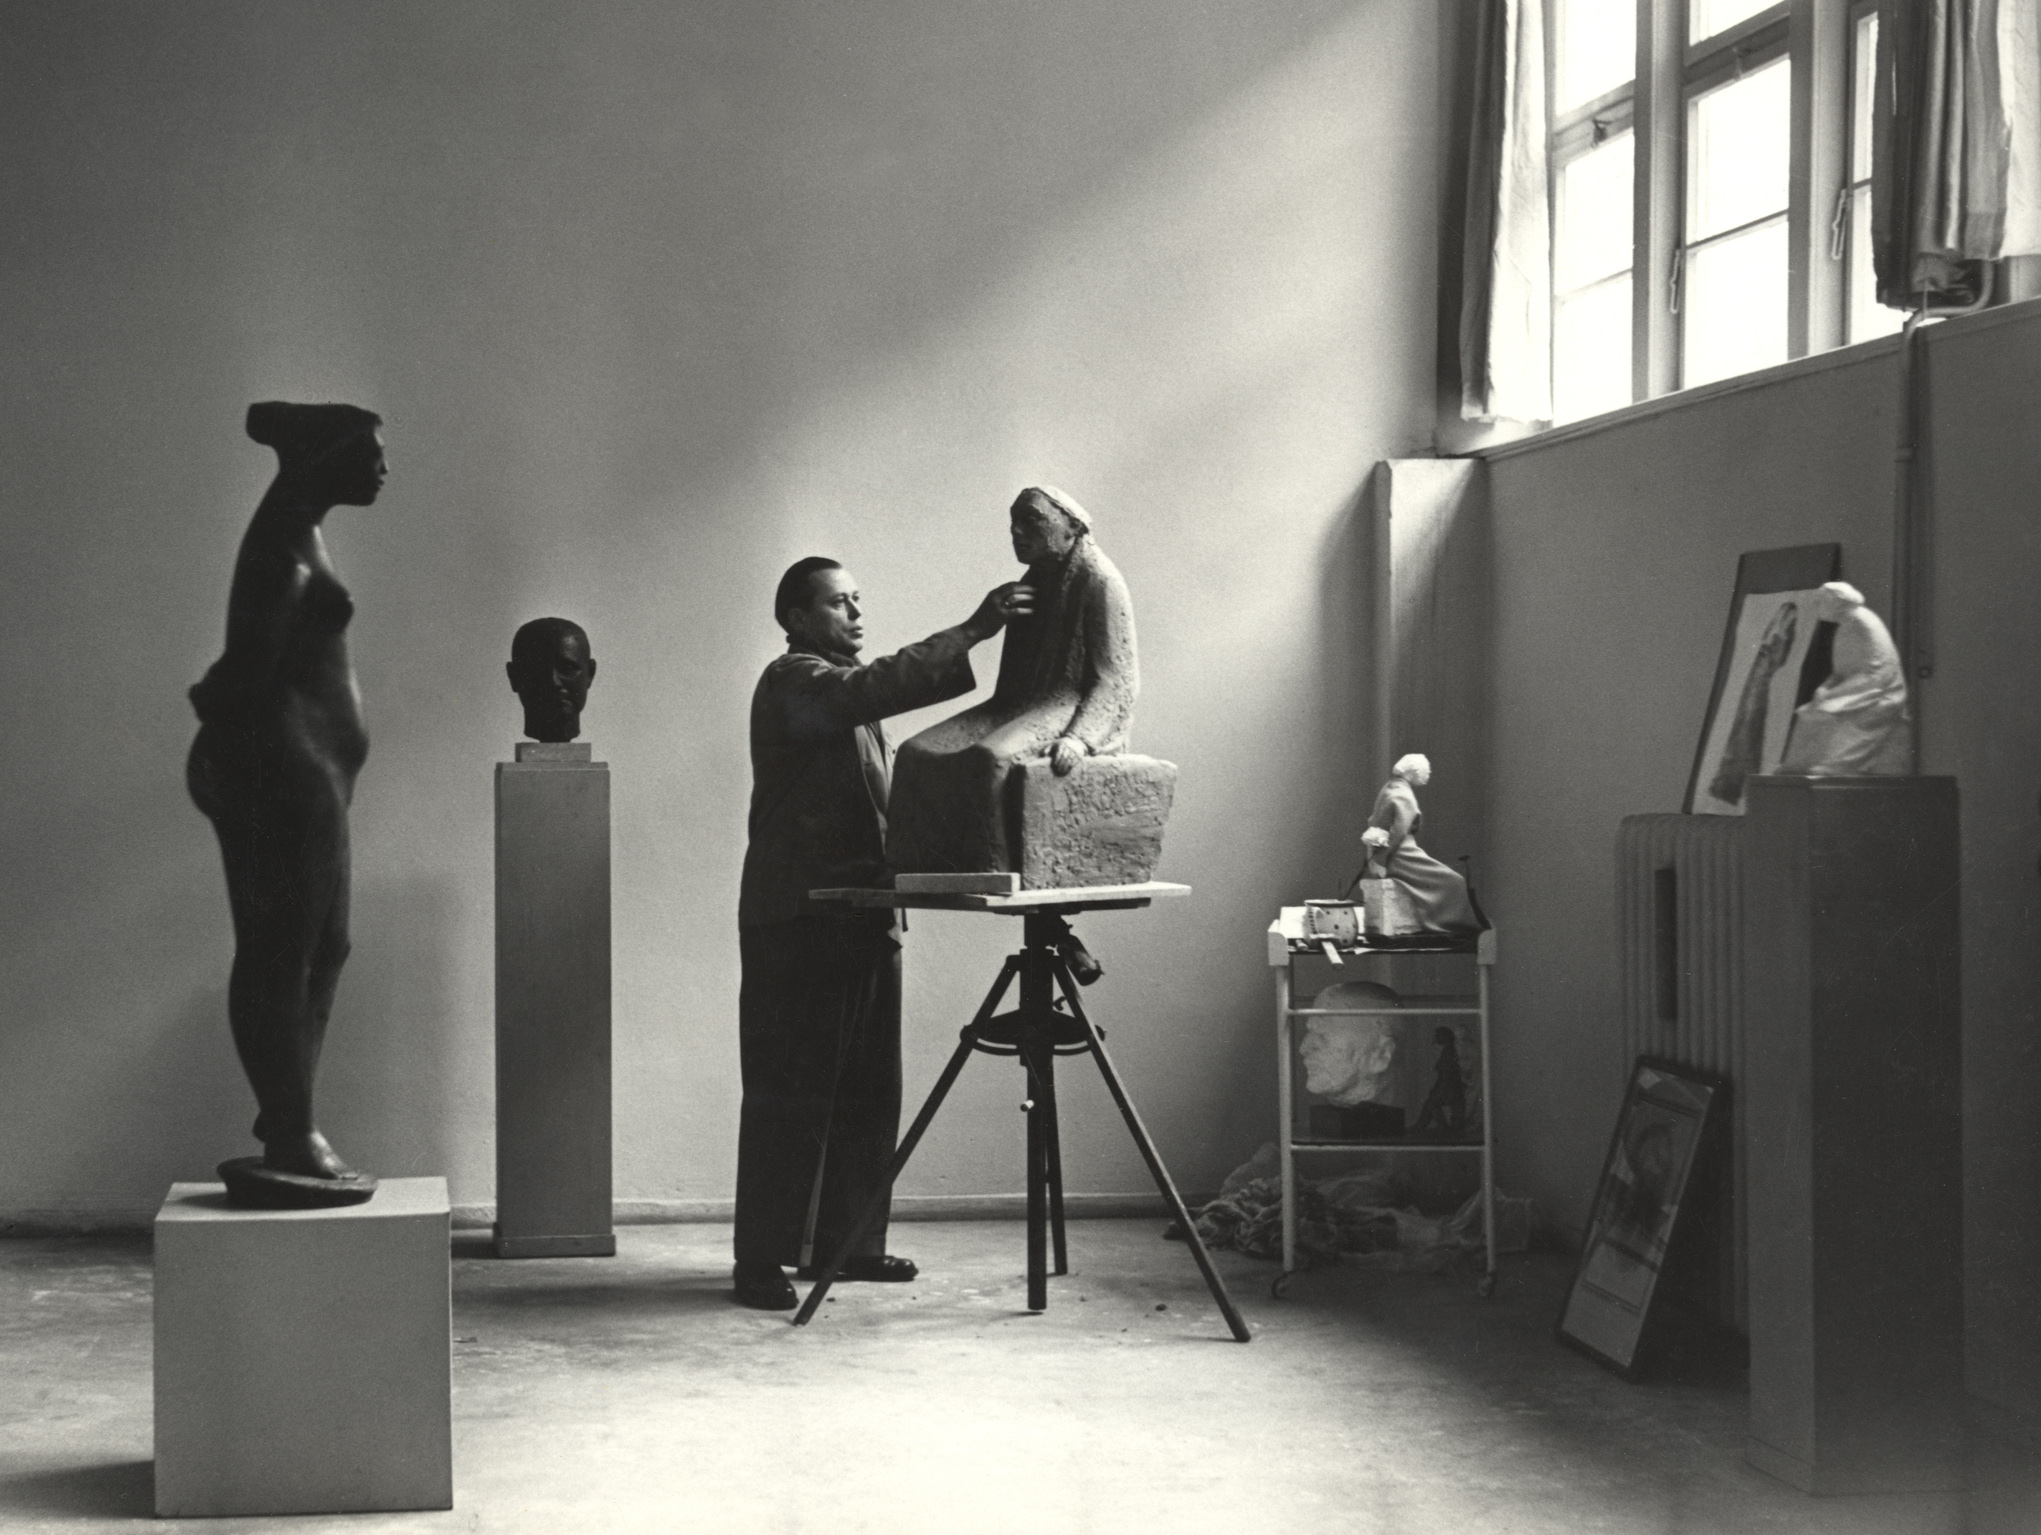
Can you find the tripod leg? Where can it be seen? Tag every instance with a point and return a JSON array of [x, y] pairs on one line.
[[1149, 1154], [943, 1084], [1038, 1181], [1052, 1153]]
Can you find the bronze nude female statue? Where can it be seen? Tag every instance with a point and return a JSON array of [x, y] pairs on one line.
[[279, 744]]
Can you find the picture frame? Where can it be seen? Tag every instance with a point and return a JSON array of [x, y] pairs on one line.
[[1663, 1130], [1774, 655]]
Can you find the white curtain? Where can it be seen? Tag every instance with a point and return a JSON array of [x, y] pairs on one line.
[[1506, 308], [2019, 55]]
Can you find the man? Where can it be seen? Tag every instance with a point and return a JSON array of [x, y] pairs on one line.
[[819, 1008]]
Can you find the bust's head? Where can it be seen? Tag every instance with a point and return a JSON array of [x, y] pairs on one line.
[[550, 670], [1349, 1060], [333, 453], [1045, 524]]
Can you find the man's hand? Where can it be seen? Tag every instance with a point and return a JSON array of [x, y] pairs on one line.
[[1066, 754], [1012, 600]]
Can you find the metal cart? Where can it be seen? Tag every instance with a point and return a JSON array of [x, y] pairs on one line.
[[1288, 943]]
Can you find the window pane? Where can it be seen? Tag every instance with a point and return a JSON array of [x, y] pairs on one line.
[[1707, 17], [1867, 317], [1863, 72], [1597, 48], [1596, 205], [1733, 301], [1591, 351], [1737, 137]]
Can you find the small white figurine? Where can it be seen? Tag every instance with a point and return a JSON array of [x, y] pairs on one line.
[[1858, 723], [1436, 897]]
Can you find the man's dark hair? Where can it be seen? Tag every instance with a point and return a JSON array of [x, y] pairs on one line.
[[796, 587], [539, 636]]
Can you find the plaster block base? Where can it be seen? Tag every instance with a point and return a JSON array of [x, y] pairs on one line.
[[1099, 825], [303, 1360]]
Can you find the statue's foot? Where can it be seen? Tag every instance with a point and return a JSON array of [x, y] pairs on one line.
[[307, 1155]]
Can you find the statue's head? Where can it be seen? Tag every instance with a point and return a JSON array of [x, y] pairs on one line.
[[1414, 768], [1046, 524], [1836, 601], [1348, 1060], [818, 603], [550, 670], [334, 453]]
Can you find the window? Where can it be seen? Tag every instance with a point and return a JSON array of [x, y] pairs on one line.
[[1710, 168]]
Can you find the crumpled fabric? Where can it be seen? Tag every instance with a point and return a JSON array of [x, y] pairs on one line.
[[1354, 1217]]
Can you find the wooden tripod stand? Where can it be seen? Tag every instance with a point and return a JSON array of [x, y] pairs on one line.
[[1049, 1021]]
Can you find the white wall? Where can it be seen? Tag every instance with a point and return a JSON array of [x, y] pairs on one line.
[[1615, 556], [655, 299]]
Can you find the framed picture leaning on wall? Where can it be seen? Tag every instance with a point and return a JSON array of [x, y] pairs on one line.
[[1661, 1131], [1774, 655]]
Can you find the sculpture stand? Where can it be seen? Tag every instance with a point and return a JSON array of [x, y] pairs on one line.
[[1044, 1026], [303, 1357], [553, 1182], [1854, 1108]]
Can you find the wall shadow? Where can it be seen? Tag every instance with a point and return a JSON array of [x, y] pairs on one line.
[[123, 1489]]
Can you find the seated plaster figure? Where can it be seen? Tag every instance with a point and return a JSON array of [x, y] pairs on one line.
[[1036, 778], [1859, 721], [1351, 1060], [1437, 895]]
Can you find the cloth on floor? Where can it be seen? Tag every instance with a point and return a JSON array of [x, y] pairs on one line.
[[1361, 1216]]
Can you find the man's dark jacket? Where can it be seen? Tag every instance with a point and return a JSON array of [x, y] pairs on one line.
[[818, 767]]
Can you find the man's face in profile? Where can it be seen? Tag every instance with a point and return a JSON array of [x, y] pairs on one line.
[[831, 618], [551, 674]]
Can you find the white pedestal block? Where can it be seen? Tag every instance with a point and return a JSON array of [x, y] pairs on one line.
[[553, 1004], [303, 1357]]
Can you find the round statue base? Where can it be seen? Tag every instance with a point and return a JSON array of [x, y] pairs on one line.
[[254, 1185]]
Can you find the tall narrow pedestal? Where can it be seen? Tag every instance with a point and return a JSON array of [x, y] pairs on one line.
[[552, 1004], [1854, 1114], [302, 1356]]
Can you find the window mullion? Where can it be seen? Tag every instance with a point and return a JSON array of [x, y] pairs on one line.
[[1660, 118], [1819, 33]]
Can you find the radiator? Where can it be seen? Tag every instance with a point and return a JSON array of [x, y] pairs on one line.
[[1680, 898]]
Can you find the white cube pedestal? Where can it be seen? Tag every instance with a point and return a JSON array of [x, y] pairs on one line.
[[303, 1357]]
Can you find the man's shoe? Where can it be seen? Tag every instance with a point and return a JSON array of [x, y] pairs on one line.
[[873, 1268], [763, 1287]]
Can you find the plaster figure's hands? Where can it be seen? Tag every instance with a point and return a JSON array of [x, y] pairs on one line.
[[1066, 754], [1012, 599], [1375, 844]]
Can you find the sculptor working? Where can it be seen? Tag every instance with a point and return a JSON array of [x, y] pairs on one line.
[[819, 1000], [279, 744], [1068, 677], [550, 670]]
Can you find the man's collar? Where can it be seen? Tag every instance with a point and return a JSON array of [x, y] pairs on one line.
[[833, 657]]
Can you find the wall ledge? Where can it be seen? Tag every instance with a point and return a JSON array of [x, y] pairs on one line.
[[1936, 335]]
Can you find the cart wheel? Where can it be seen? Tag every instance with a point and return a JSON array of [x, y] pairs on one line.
[[1281, 1288], [1487, 1286]]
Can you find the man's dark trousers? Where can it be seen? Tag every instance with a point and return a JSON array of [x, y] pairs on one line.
[[818, 1020]]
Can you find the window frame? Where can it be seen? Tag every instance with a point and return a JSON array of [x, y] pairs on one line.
[[1815, 37]]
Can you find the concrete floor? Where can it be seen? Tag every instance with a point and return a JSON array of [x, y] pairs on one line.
[[629, 1394]]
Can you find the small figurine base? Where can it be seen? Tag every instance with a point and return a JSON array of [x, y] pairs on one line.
[[1099, 824], [255, 1186]]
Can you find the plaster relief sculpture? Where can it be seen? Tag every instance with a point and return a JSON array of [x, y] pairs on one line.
[[279, 744], [1859, 721], [1430, 898], [550, 670], [1351, 1060], [1037, 779]]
